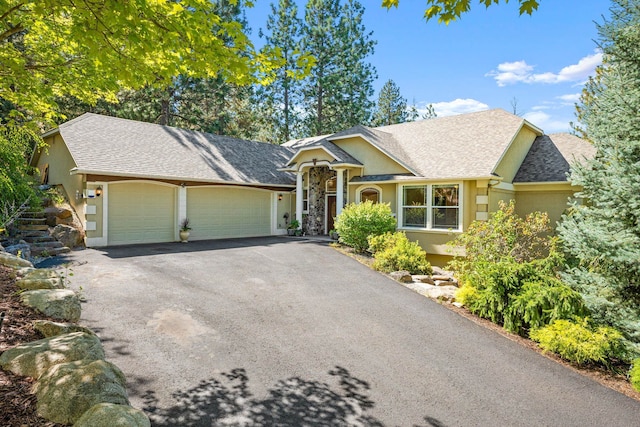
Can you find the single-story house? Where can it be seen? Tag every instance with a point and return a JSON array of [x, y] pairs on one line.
[[134, 182]]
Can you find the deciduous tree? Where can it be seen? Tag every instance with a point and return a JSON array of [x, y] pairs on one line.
[[91, 50], [451, 10]]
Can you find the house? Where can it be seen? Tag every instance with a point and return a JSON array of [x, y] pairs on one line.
[[133, 182]]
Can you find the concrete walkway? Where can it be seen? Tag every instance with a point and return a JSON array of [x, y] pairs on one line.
[[278, 331]]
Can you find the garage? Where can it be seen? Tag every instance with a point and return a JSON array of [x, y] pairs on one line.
[[228, 212], [141, 213]]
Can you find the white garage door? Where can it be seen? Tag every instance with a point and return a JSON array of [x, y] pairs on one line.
[[228, 212], [141, 213]]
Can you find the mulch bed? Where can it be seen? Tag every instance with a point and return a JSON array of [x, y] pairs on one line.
[[17, 404]]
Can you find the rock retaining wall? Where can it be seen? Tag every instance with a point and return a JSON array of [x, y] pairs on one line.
[[73, 384]]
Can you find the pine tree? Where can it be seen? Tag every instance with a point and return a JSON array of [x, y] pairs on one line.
[[430, 113], [602, 237], [357, 75], [392, 107], [282, 96], [337, 90]]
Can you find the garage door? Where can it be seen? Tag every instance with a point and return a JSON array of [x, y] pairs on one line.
[[228, 212], [141, 213]]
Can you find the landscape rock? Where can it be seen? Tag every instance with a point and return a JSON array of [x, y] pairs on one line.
[[52, 329], [441, 277], [35, 358], [1, 248], [10, 260], [401, 276], [58, 212], [44, 278], [67, 235], [422, 278], [67, 391], [21, 248], [442, 283], [113, 415], [443, 293], [57, 303]]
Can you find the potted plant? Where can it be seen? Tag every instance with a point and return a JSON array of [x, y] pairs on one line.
[[184, 230], [293, 226]]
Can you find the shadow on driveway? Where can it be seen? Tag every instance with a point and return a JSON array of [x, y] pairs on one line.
[[226, 400], [130, 251]]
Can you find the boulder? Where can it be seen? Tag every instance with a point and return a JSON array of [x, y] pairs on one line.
[[1, 248], [422, 278], [22, 249], [58, 212], [443, 283], [35, 358], [10, 260], [401, 276], [57, 303], [113, 415], [41, 279], [441, 277], [66, 391], [52, 329], [443, 293], [67, 235]]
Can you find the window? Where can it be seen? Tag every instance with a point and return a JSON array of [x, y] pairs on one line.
[[431, 206], [370, 194]]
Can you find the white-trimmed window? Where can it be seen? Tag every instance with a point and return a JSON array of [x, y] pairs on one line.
[[370, 193], [431, 207]]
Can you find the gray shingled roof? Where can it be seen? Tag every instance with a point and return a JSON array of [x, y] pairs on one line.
[[342, 156], [466, 145], [549, 158], [462, 146], [108, 145]]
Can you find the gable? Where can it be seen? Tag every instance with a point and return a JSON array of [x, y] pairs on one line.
[[374, 160], [514, 155]]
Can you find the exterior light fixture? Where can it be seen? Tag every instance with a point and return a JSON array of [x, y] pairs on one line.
[[99, 191], [280, 197]]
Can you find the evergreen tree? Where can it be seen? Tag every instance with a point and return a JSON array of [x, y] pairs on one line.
[[392, 107], [357, 75], [602, 237], [280, 98], [430, 113], [338, 86], [412, 113]]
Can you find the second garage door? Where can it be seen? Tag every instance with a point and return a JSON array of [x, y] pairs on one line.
[[141, 213], [228, 212]]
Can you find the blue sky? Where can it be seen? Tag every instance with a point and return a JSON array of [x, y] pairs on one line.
[[487, 58]]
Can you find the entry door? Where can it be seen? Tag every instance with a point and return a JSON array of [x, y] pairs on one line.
[[331, 211]]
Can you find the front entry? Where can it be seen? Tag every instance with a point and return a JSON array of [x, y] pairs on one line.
[[331, 211]]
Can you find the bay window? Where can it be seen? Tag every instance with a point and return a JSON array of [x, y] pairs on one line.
[[431, 206]]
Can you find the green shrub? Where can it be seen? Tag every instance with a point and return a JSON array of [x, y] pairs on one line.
[[393, 252], [359, 221], [582, 343], [634, 374], [540, 303], [519, 296], [504, 236]]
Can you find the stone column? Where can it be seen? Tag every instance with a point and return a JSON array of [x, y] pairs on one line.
[[299, 195], [339, 191]]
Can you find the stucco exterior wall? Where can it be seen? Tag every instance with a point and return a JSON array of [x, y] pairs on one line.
[[308, 156], [375, 162], [96, 203], [284, 206], [515, 154], [58, 157], [554, 203]]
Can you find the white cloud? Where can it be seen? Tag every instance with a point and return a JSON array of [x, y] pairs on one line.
[[457, 106], [521, 72], [547, 122], [571, 97]]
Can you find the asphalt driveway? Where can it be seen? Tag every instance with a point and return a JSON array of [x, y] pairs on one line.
[[277, 331]]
